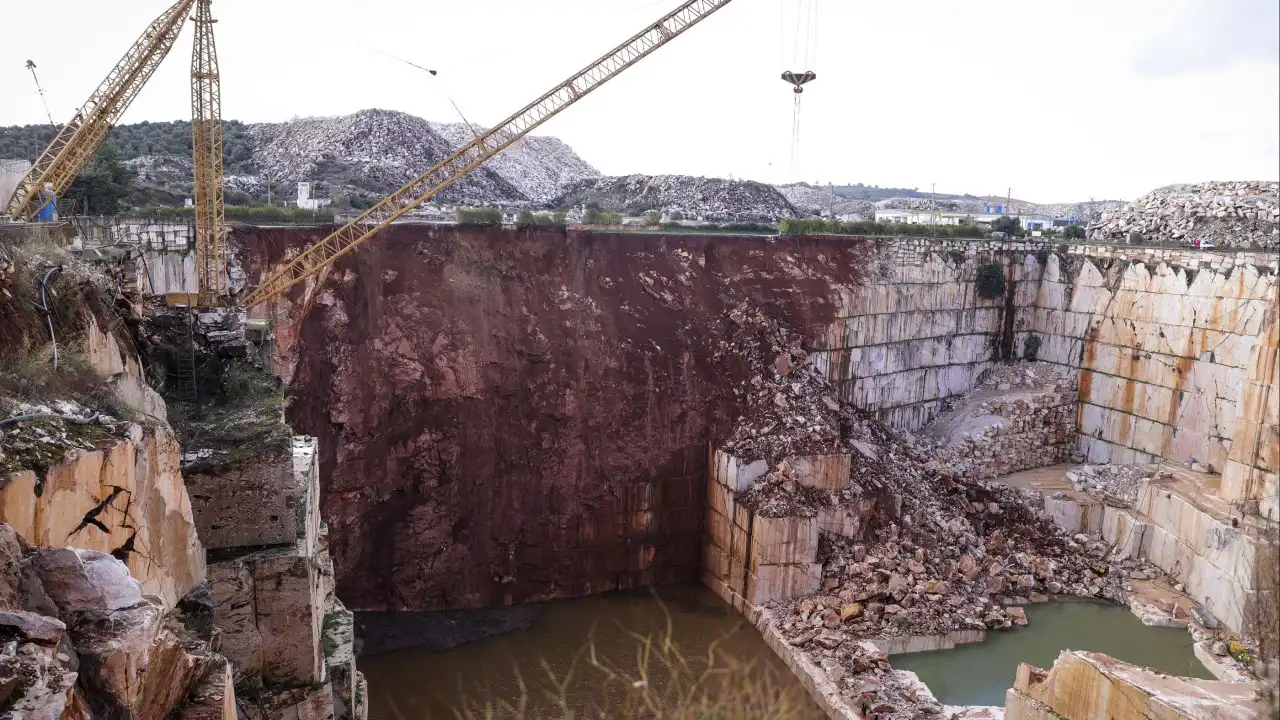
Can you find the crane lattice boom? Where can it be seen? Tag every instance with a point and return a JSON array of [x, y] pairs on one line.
[[315, 258], [206, 150], [79, 139]]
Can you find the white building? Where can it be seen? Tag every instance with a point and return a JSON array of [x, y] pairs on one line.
[[11, 173], [306, 202], [925, 217]]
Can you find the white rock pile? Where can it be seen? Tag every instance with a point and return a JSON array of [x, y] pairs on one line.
[[1228, 214]]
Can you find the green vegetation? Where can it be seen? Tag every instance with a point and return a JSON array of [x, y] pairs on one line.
[[594, 216], [742, 228], [990, 280], [102, 187], [527, 220], [653, 217], [818, 226], [1031, 347], [479, 217], [1007, 224], [144, 138], [1073, 232], [252, 214]]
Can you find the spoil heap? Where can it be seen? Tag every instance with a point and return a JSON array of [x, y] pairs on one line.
[[933, 550], [1243, 214]]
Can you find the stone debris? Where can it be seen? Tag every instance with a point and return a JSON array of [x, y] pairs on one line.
[[925, 547], [1229, 214], [1115, 485], [789, 406], [49, 431], [1019, 417], [695, 198]]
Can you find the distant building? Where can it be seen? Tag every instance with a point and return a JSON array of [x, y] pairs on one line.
[[925, 217], [306, 202]]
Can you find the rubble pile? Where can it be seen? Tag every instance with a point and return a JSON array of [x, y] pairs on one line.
[[789, 406], [1019, 417], [817, 200], [1230, 214], [1115, 485], [373, 152], [695, 198], [924, 548], [37, 436]]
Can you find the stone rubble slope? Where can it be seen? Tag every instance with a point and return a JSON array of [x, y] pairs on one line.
[[935, 550], [540, 167], [817, 200], [369, 153], [1230, 214], [697, 198]]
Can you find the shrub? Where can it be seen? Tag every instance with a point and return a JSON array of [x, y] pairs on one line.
[[1007, 224], [527, 220], [1073, 232], [1031, 347], [990, 281], [599, 217], [479, 217], [653, 217]]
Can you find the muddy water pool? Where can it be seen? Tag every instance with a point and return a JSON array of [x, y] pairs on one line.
[[417, 684], [979, 673]]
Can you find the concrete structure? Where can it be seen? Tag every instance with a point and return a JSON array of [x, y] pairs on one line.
[[306, 202], [11, 173]]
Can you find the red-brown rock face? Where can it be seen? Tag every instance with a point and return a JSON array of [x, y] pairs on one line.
[[512, 416]]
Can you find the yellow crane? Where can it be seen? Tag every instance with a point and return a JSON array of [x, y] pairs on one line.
[[76, 142], [312, 260], [206, 150]]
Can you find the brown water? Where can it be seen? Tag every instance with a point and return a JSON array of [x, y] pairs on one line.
[[417, 685]]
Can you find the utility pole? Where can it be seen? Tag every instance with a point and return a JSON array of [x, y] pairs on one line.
[[933, 199]]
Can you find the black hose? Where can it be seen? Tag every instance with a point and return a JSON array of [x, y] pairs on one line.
[[48, 314]]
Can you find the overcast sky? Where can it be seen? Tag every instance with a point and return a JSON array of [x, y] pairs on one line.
[[1061, 100]]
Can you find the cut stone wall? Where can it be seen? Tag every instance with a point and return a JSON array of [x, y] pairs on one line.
[[749, 560], [1163, 353], [149, 517], [1090, 685]]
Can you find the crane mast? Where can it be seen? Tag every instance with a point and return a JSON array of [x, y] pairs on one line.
[[206, 150], [77, 141], [313, 260]]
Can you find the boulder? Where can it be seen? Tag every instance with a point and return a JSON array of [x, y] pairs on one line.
[[86, 581], [36, 628]]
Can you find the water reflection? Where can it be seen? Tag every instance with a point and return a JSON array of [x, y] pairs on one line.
[[600, 656]]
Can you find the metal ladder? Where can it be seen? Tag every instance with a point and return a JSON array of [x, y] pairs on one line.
[[185, 385]]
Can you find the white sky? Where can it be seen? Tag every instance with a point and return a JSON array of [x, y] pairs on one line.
[[1061, 100]]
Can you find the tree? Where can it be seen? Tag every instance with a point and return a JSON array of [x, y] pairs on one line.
[[1073, 232], [103, 185], [1007, 224], [653, 217]]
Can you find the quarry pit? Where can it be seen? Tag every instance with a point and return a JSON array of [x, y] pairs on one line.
[[860, 446]]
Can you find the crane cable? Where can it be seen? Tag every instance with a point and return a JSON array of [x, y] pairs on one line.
[[475, 130], [806, 21]]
